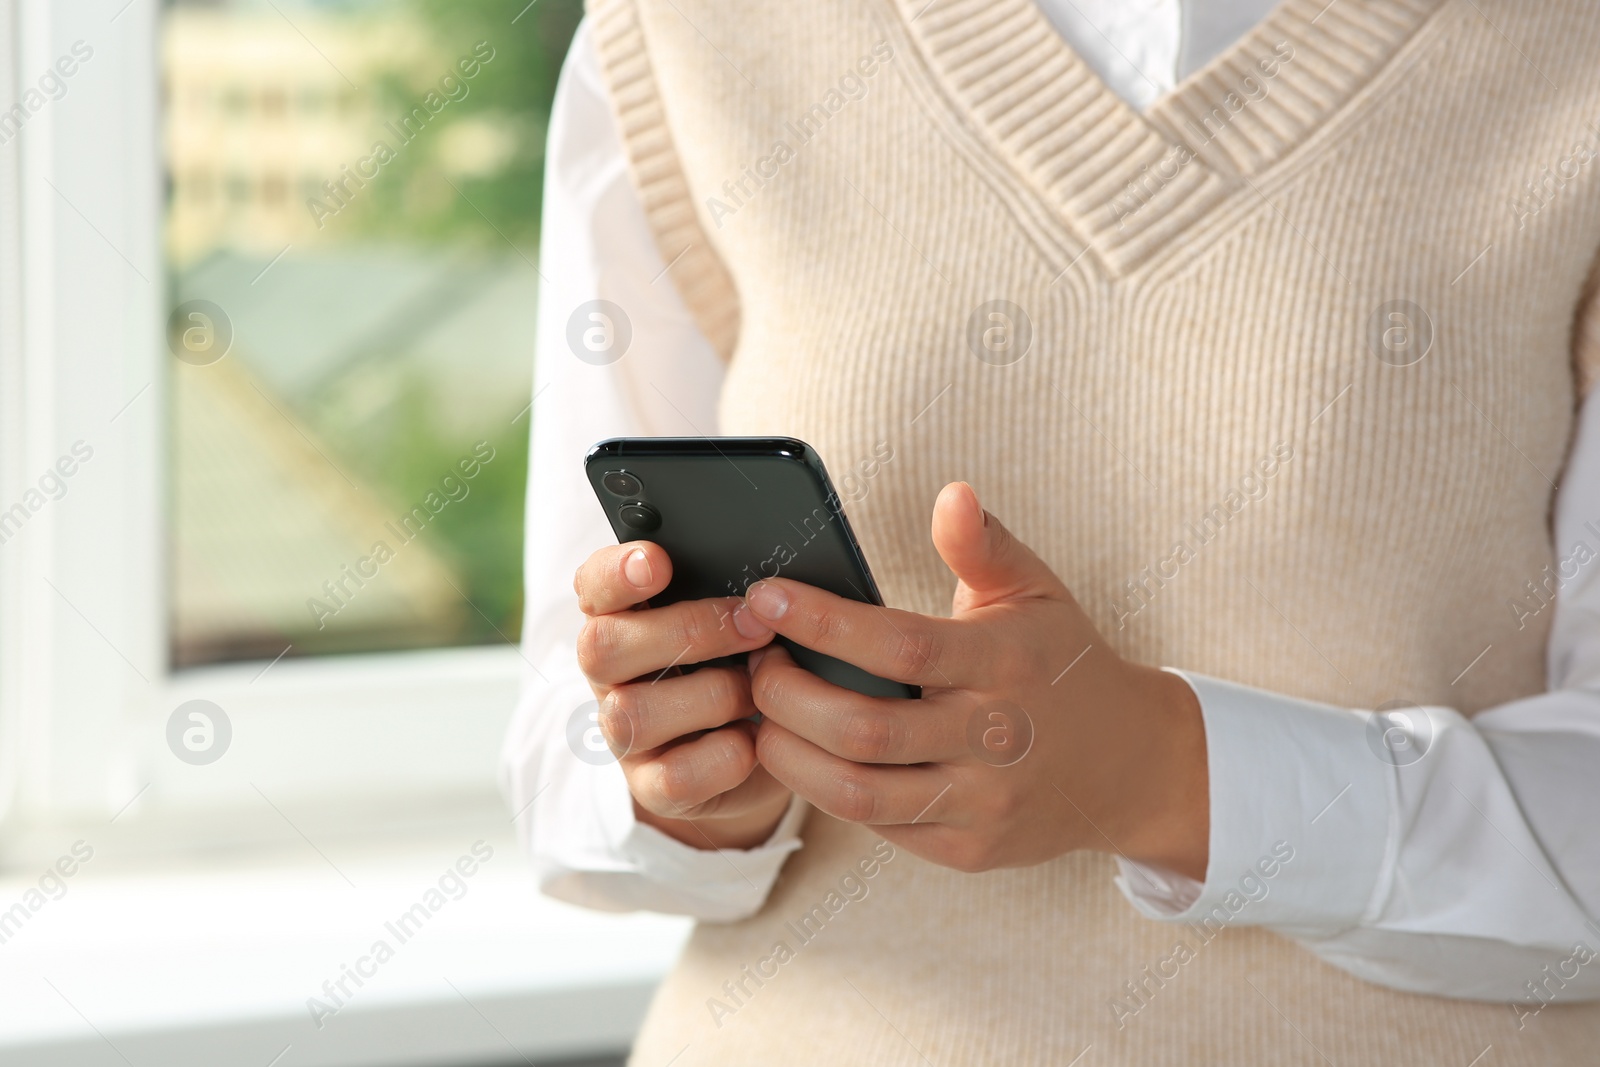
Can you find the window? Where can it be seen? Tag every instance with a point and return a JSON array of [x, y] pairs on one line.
[[289, 377]]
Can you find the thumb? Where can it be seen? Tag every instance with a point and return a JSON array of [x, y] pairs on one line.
[[992, 565]]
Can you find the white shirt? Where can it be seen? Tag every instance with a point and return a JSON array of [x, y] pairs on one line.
[[1472, 871]]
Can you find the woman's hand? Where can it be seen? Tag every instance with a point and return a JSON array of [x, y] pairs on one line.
[[685, 746], [1033, 738]]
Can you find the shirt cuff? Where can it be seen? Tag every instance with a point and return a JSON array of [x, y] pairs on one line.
[[734, 881], [1301, 811]]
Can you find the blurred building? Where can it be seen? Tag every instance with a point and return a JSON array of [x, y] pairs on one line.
[[261, 514], [262, 107], [255, 571]]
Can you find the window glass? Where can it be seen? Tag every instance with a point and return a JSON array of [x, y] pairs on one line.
[[351, 225]]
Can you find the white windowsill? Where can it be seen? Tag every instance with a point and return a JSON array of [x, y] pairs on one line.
[[197, 965]]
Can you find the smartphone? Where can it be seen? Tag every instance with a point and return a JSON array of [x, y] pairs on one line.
[[731, 511]]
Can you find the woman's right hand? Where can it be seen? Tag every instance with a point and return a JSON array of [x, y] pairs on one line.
[[683, 740]]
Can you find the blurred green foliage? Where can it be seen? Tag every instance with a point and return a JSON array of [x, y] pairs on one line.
[[404, 450], [427, 192]]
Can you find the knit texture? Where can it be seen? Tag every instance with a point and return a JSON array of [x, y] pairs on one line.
[[1361, 242]]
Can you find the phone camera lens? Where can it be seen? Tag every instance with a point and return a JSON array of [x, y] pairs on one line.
[[621, 483], [640, 516]]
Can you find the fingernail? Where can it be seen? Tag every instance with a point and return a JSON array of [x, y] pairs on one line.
[[982, 511], [753, 660], [768, 601], [748, 625], [614, 725], [636, 568]]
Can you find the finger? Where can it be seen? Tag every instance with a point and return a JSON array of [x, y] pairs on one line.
[[855, 792], [620, 576], [626, 645], [991, 563], [754, 792], [900, 645], [858, 728], [643, 716], [679, 782]]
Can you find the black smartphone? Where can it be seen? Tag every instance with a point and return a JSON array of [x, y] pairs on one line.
[[731, 511]]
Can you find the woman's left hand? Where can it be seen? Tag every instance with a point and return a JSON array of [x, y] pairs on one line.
[[1033, 737]]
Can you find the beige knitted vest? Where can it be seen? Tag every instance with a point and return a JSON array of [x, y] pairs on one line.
[[845, 188]]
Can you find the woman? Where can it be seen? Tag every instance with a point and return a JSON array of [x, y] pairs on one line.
[[1253, 339]]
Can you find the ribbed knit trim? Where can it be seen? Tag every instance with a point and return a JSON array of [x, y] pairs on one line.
[[1338, 49], [698, 273], [1129, 182]]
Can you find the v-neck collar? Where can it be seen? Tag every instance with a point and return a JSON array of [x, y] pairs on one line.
[[1128, 181]]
